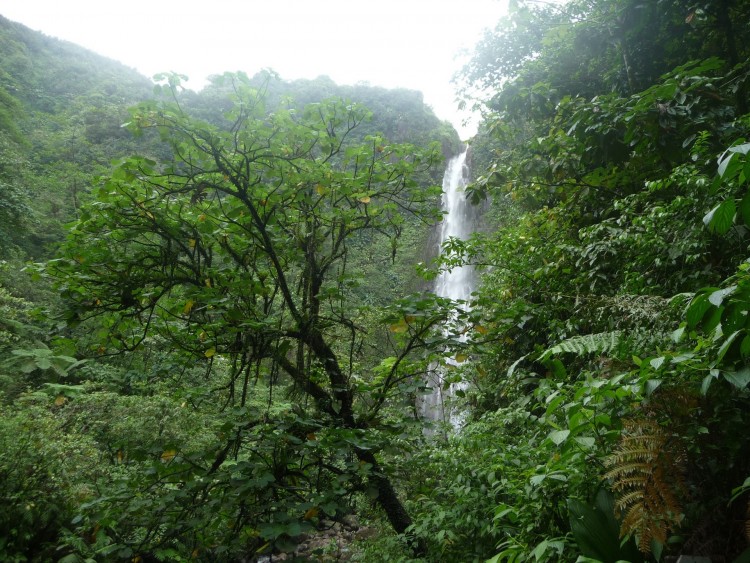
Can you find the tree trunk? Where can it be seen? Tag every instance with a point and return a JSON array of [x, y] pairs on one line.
[[390, 503]]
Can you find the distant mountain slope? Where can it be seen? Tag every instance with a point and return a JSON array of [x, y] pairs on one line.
[[46, 73], [61, 107], [61, 111]]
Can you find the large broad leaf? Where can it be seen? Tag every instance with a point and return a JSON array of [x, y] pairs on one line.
[[559, 436], [740, 149], [717, 297], [697, 309], [724, 348], [739, 379], [719, 220], [597, 532]]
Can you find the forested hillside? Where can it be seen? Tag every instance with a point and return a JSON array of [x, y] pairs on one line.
[[216, 319], [61, 108], [610, 376]]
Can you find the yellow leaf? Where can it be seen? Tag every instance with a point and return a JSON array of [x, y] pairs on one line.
[[201, 217], [168, 455], [202, 336], [311, 513], [399, 327], [461, 358], [481, 370], [320, 189], [481, 329], [210, 353], [188, 306], [60, 400], [208, 282], [192, 243], [120, 456], [365, 199]]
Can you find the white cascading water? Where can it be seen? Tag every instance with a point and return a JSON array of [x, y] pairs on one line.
[[457, 284]]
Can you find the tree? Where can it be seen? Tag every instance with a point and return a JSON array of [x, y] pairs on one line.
[[237, 250]]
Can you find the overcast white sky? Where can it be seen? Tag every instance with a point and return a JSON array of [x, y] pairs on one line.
[[393, 43]]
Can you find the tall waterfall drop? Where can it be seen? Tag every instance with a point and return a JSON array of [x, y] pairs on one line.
[[458, 222]]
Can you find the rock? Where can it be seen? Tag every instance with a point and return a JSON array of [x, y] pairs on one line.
[[350, 521], [365, 533]]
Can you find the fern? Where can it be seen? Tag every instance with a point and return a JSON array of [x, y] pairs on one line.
[[600, 342], [646, 480]]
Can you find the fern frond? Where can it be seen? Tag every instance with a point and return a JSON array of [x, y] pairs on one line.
[[600, 343], [626, 468], [646, 480]]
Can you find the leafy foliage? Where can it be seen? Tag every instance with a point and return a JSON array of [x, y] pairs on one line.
[[611, 213], [605, 342], [237, 253], [241, 289]]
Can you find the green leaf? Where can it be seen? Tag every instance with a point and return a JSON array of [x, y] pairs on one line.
[[745, 347], [712, 322], [559, 436], [739, 379], [586, 442], [540, 549], [597, 532], [725, 346], [740, 149], [745, 208], [734, 318], [718, 296], [678, 334], [652, 385], [724, 162], [656, 363], [719, 220], [697, 308]]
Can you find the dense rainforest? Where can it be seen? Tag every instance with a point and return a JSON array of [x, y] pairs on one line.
[[217, 316]]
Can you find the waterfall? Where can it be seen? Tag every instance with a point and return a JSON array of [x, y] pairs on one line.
[[458, 222]]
